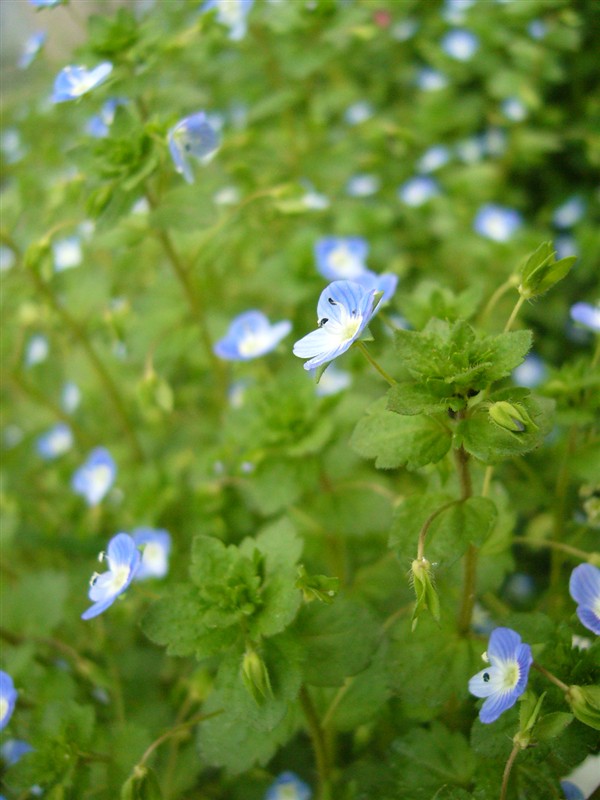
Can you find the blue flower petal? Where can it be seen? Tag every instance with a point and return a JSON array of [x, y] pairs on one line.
[[503, 644]]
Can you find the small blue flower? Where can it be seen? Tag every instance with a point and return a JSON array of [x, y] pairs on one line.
[[537, 29], [251, 335], [531, 373], [45, 3], [417, 191], [8, 698], [95, 477], [196, 137], [67, 253], [37, 350], [460, 44], [7, 258], [404, 30], [55, 442], [514, 109], [586, 314], [493, 141], [32, 47], [288, 786], [566, 246], [454, 10], [13, 750], [74, 81], [98, 126], [123, 559], [363, 185], [434, 158], [569, 213], [504, 681], [430, 80], [471, 150], [70, 397], [156, 546], [497, 222], [571, 791], [358, 112], [341, 257], [344, 310], [233, 14], [584, 587]]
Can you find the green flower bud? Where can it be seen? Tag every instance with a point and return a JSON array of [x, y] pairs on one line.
[[316, 587], [142, 784], [585, 704], [256, 676], [427, 597], [540, 271], [511, 416]]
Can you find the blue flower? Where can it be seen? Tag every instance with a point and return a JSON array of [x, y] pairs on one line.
[[497, 222], [7, 258], [344, 310], [8, 698], [45, 3], [569, 213], [193, 136], [404, 30], [251, 335], [571, 791], [95, 477], [586, 314], [13, 750], [232, 14], [417, 191], [566, 246], [70, 397], [358, 112], [430, 80], [341, 257], [37, 350], [584, 587], [123, 560], [74, 81], [506, 678], [55, 442], [98, 126], [434, 158], [288, 786], [67, 253], [363, 185], [454, 10], [32, 47], [531, 373], [460, 44], [537, 29], [156, 546], [514, 109]]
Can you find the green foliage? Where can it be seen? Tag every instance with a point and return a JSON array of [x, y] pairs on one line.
[[541, 271]]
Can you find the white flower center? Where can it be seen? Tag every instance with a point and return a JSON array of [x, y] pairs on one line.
[[346, 264], [350, 326], [119, 577], [100, 479], [253, 344], [510, 675]]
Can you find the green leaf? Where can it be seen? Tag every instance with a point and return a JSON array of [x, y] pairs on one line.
[[427, 397], [35, 605], [332, 650], [551, 725], [393, 440], [366, 694], [540, 271]]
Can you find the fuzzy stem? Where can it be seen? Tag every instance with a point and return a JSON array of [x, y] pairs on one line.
[[427, 525], [363, 349], [552, 678], [468, 598], [497, 295], [514, 313], [508, 769], [318, 742], [173, 732]]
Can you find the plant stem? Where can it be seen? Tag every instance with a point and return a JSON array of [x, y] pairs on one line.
[[362, 347], [508, 769], [487, 480], [318, 742], [468, 598], [552, 678], [173, 732], [427, 525], [497, 295], [513, 315], [565, 548]]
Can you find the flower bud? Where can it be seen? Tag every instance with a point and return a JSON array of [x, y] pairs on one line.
[[256, 676], [427, 596], [511, 416], [585, 704], [142, 784], [316, 587]]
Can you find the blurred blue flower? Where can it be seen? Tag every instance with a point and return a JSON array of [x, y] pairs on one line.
[[55, 442], [433, 159], [98, 126], [497, 222], [288, 786], [417, 191], [7, 258], [430, 80], [233, 14], [95, 477], [155, 546], [404, 30], [32, 47], [584, 587], [358, 112], [519, 588], [344, 310], [454, 10], [227, 196], [505, 680], [531, 373], [123, 559], [8, 698], [514, 109], [314, 200], [537, 29], [565, 246], [586, 314], [37, 350], [571, 791], [363, 185], [11, 145], [493, 141], [74, 81], [70, 397], [460, 44], [13, 750], [67, 253], [45, 3], [341, 257], [471, 150], [333, 381], [196, 137], [569, 213], [251, 335]]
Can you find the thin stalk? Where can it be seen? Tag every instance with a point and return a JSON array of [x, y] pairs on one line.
[[318, 742], [552, 678], [498, 294], [427, 525], [173, 732], [487, 480], [552, 545], [363, 349], [337, 699], [508, 769], [514, 313], [470, 570]]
